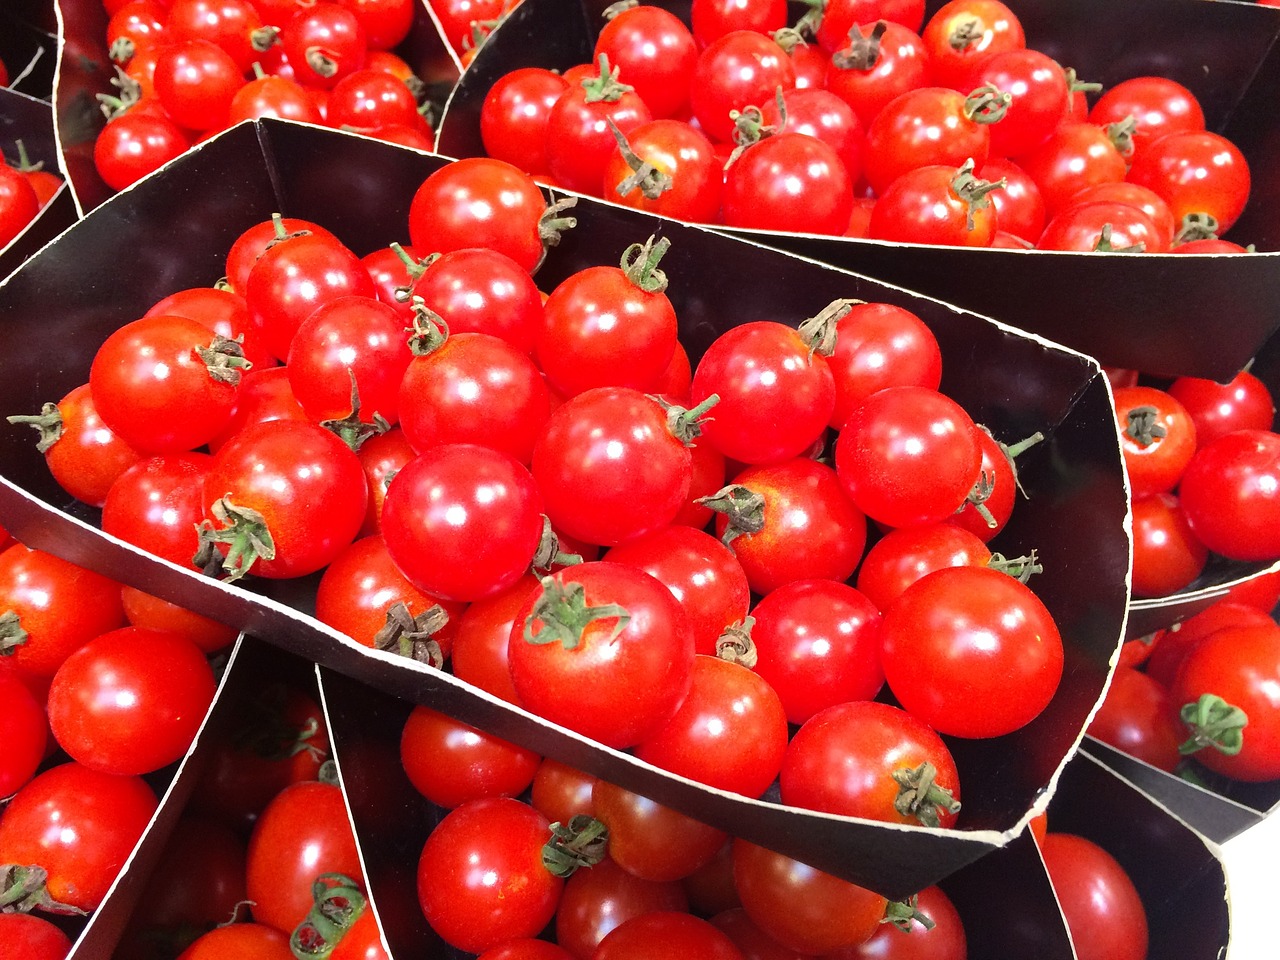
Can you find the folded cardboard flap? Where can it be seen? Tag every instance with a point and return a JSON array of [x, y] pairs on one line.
[[176, 227], [30, 120]]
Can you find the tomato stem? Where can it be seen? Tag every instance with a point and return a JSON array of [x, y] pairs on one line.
[[549, 553], [337, 903], [920, 797], [48, 423], [414, 268], [224, 358], [1144, 429], [552, 224], [1121, 134], [24, 164], [621, 6], [562, 609], [430, 330], [1197, 226], [901, 913], [352, 429], [1104, 244], [974, 193], [1213, 723], [264, 38], [640, 264], [12, 636], [413, 637], [1020, 568], [245, 533], [983, 487], [24, 888], [130, 93], [1012, 451], [583, 842], [862, 52], [321, 61], [605, 87], [987, 104], [686, 424], [1075, 84], [735, 643], [819, 331], [651, 181], [743, 507], [788, 38]]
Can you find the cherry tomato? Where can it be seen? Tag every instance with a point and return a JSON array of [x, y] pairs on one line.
[[1019, 206], [738, 69], [195, 81], [649, 840], [1139, 717], [1148, 201], [903, 556], [514, 117], [1103, 910], [712, 19], [1167, 556], [152, 613], [134, 144], [324, 43], [23, 729], [963, 34], [265, 394], [223, 311], [228, 23], [945, 940], [580, 127], [1158, 106], [841, 16], [451, 763], [1243, 403], [1230, 492], [880, 345], [689, 178], [935, 205], [249, 941], [1076, 155], [480, 645], [370, 98], [875, 63], [157, 503], [928, 126], [253, 243], [654, 53], [598, 900], [18, 203], [1102, 226], [1157, 438], [24, 936], [821, 114], [1173, 645], [527, 948], [680, 936]]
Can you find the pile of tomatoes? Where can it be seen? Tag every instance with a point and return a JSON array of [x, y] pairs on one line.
[[190, 68], [866, 121]]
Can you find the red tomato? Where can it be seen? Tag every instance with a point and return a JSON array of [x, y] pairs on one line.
[[381, 458], [265, 394], [936, 205], [971, 651], [841, 16], [1157, 106], [688, 177], [926, 126], [1148, 201], [680, 936], [1076, 156], [650, 841], [903, 556], [253, 243], [1172, 645], [945, 940], [1102, 226], [324, 43], [1230, 492], [654, 52], [152, 613], [597, 900], [195, 82], [133, 145], [962, 35], [875, 63], [1157, 438], [1243, 403], [821, 114], [1197, 173], [603, 649], [1019, 206], [1167, 556], [80, 825], [480, 645], [19, 203], [788, 181], [880, 345], [526, 948], [580, 127], [157, 503], [1103, 910], [24, 732], [247, 941], [371, 98], [228, 23], [712, 19], [738, 69], [481, 880], [223, 311], [561, 792], [451, 763], [1139, 717], [24, 936], [514, 116], [1039, 91]]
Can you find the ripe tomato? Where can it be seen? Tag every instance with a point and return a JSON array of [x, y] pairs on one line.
[[24, 936], [603, 649], [324, 42], [936, 205], [253, 243], [971, 651], [24, 731], [874, 63], [945, 940], [1103, 910], [688, 178], [738, 69], [195, 82], [1167, 556], [527, 948], [478, 290], [928, 126], [680, 936], [654, 52], [265, 394], [788, 181], [481, 880], [963, 34], [248, 941], [514, 116], [462, 522], [480, 646], [80, 825], [841, 16], [598, 900], [820, 113], [1230, 492], [1019, 206], [451, 763], [157, 503], [1076, 155], [1039, 90], [18, 203], [370, 98], [1139, 717], [561, 792], [1148, 201], [649, 840], [1243, 403], [134, 144], [1158, 106], [223, 311], [903, 556], [1102, 226], [1157, 438], [580, 127]]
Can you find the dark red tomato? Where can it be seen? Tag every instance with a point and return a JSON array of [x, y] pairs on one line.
[[479, 202], [561, 792], [754, 943], [1102, 226], [477, 290], [841, 16], [873, 760], [927, 126], [1243, 403], [879, 61], [253, 242], [936, 205], [1241, 666], [456, 17], [1103, 910], [1167, 556], [788, 181], [228, 23], [654, 52], [649, 840], [712, 19], [24, 936], [1230, 493], [1261, 591], [306, 485], [609, 467], [514, 116], [945, 940], [689, 179], [1019, 206], [1175, 643], [790, 521], [480, 645], [527, 948], [776, 394], [1140, 718], [152, 613], [801, 907], [1038, 86], [324, 43], [700, 571], [56, 606], [18, 203], [1134, 195], [157, 503], [134, 144], [680, 936], [616, 671], [247, 941], [971, 651], [1197, 173], [1157, 438], [462, 522], [83, 454], [710, 887], [303, 833], [908, 455], [381, 458], [818, 644], [1157, 105], [368, 99], [80, 825], [24, 731], [481, 880], [596, 901], [903, 556], [223, 311], [264, 395], [195, 82], [599, 315], [451, 763], [821, 114], [739, 69], [963, 34], [1076, 155], [130, 701], [580, 135], [293, 278], [358, 589], [880, 345], [729, 733]]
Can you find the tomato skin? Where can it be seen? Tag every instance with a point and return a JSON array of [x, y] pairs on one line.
[[788, 181], [992, 27], [1040, 94], [880, 345], [253, 242], [480, 875], [903, 556], [1173, 645], [649, 840], [922, 206], [324, 43], [451, 763], [617, 690], [24, 936], [841, 16], [249, 941], [478, 290], [1166, 554], [513, 118], [1139, 717], [484, 630], [195, 81], [712, 19], [579, 139], [19, 203], [1154, 462], [598, 900], [1243, 403], [1103, 910], [1158, 105], [738, 69], [1080, 227], [265, 394], [1019, 206], [367, 99], [680, 936], [157, 503], [1230, 492], [1076, 155], [922, 127], [526, 948], [654, 53], [971, 652], [24, 732], [80, 825], [302, 833], [682, 153], [222, 311]]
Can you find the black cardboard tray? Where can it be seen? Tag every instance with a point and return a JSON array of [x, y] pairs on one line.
[[29, 46], [26, 118], [1004, 898], [178, 224], [1165, 314], [84, 70]]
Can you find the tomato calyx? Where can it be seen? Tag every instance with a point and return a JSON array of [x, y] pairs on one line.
[[25, 164], [983, 487], [323, 62], [263, 39], [685, 423], [965, 34], [788, 38], [743, 507], [414, 268], [245, 533], [605, 87], [621, 6], [819, 331], [563, 612], [1213, 723], [920, 797], [1076, 85], [24, 888], [130, 92], [903, 913], [640, 264], [1020, 568], [1012, 451], [987, 104], [1121, 134], [352, 429], [1144, 426], [337, 904], [749, 127], [430, 330], [552, 224], [1104, 244], [582, 842], [413, 637], [1197, 226], [736, 645], [281, 234], [973, 192], [651, 181], [862, 52], [12, 636], [48, 423], [550, 552], [224, 358]]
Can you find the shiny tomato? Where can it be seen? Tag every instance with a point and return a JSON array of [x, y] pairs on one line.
[[741, 68], [1167, 555], [1230, 492], [560, 792], [688, 178], [924, 126], [936, 204], [962, 35], [24, 731], [1242, 403], [654, 53], [1139, 717], [1158, 106], [880, 345], [324, 43], [223, 311], [195, 82], [649, 840], [712, 19], [19, 203], [903, 556], [1075, 156], [945, 940], [1019, 206], [841, 16], [1037, 86], [514, 115], [788, 181], [480, 644], [254, 241], [249, 941], [1103, 909], [478, 290], [580, 127], [24, 936], [153, 613], [680, 936], [134, 144], [157, 504], [1102, 226], [451, 763], [874, 63], [597, 900], [1157, 438]]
